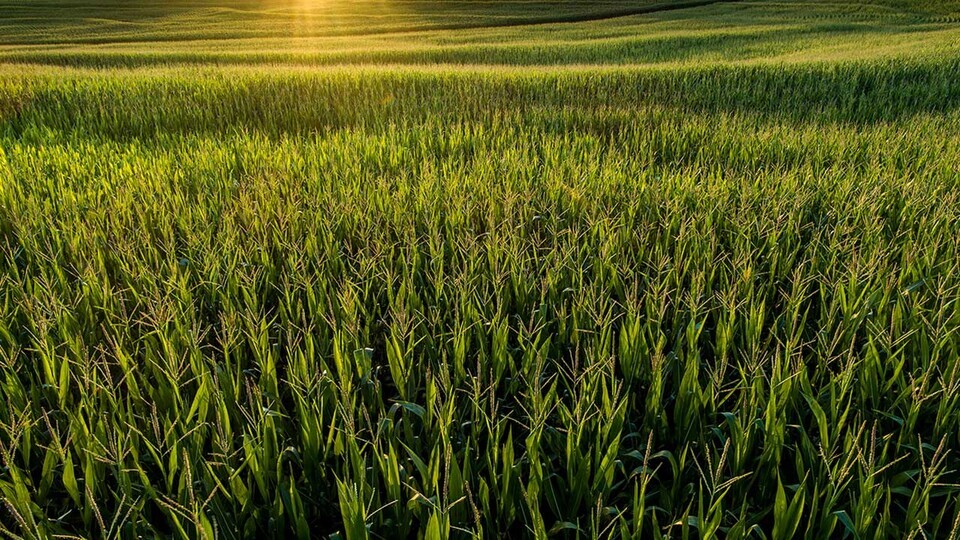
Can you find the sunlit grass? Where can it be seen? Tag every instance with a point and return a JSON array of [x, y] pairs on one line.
[[412, 32], [690, 273]]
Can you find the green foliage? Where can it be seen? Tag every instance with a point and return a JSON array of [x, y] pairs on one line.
[[691, 301], [268, 33]]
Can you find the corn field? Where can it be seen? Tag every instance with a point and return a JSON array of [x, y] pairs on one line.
[[457, 284]]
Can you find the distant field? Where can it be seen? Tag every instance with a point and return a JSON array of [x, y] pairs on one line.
[[401, 269], [478, 32]]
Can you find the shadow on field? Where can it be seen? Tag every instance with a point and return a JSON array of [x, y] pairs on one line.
[[144, 105], [626, 48], [602, 51], [119, 21]]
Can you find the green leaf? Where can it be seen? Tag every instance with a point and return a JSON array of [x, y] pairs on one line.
[[847, 522]]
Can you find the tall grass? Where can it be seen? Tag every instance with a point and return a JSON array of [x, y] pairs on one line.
[[175, 101], [436, 302]]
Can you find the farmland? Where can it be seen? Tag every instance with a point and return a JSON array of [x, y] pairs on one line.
[[463, 268]]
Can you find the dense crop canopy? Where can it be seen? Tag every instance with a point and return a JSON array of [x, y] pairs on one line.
[[714, 297]]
